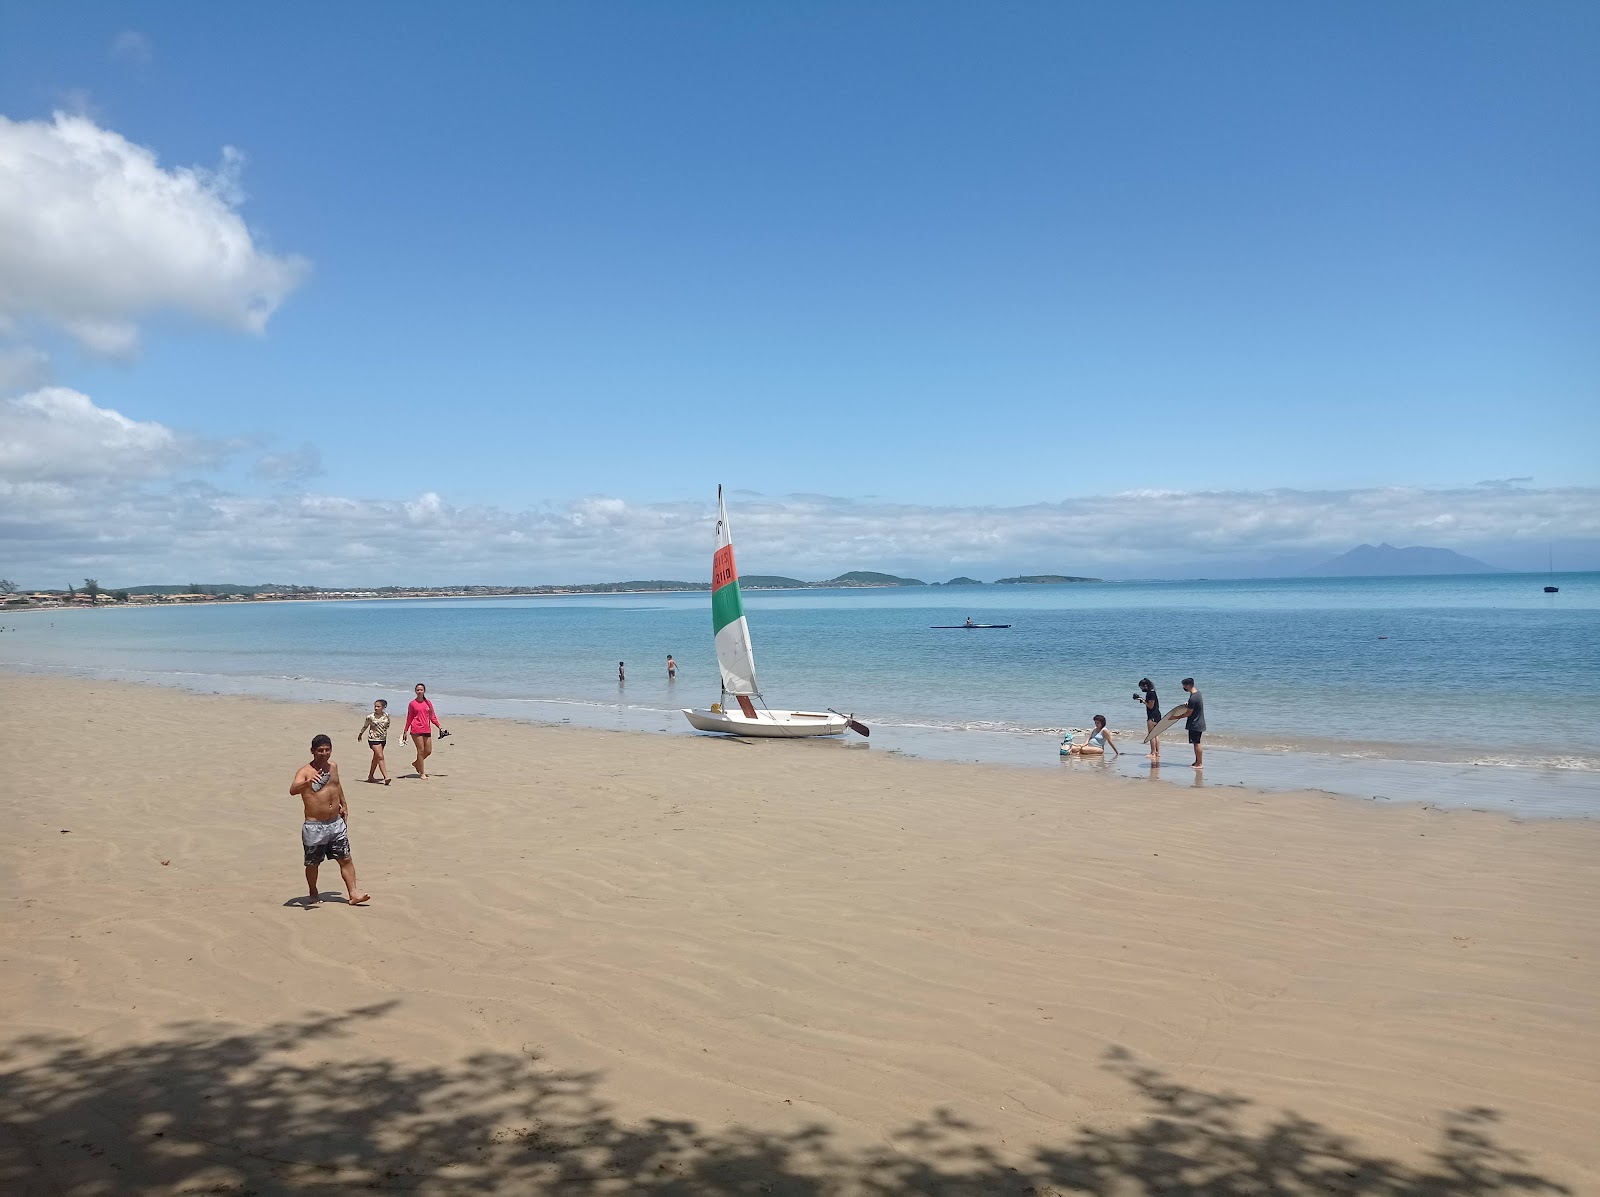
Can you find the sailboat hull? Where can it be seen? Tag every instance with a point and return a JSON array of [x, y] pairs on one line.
[[780, 725]]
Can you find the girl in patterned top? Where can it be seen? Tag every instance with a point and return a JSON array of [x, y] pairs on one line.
[[375, 731]]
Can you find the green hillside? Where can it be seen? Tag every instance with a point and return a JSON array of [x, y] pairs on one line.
[[866, 577]]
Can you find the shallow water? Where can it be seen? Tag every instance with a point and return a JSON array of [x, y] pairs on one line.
[[1462, 691]]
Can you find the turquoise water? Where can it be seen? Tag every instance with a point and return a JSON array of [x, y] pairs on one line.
[[1478, 691]]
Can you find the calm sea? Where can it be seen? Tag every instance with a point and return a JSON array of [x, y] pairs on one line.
[[1464, 691]]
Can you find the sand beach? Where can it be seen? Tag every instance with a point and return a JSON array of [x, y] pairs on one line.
[[600, 962]]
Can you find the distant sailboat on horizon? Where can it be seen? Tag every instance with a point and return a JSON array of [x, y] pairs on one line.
[[1552, 589]]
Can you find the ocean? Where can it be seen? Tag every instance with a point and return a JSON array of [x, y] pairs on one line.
[[1477, 691]]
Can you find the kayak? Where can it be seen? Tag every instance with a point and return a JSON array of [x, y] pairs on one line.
[[948, 627]]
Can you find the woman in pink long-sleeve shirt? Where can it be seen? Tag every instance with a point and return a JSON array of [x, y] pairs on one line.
[[420, 722]]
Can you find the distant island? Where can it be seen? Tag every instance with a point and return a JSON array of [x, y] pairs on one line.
[[865, 577], [962, 582], [1041, 580], [1386, 561]]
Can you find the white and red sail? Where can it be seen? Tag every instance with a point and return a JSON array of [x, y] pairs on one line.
[[735, 657]]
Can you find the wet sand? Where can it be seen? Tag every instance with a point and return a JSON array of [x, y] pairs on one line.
[[600, 962]]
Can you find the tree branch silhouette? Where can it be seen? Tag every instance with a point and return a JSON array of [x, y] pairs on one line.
[[255, 1112]]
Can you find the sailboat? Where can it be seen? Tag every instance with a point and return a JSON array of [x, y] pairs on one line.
[[737, 663], [1552, 589]]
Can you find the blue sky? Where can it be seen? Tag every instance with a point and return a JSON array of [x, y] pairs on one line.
[[937, 257]]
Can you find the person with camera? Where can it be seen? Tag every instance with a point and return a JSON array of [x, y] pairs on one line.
[[1152, 716]]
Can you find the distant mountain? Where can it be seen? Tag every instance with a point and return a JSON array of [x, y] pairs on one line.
[[865, 577], [1385, 561], [1040, 580], [770, 582]]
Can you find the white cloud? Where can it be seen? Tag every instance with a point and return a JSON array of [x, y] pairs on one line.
[[86, 489], [132, 46], [58, 435], [95, 235]]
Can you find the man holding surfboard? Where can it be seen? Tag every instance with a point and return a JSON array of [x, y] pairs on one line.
[[1194, 717]]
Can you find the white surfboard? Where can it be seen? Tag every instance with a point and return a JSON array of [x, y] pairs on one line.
[[1166, 722]]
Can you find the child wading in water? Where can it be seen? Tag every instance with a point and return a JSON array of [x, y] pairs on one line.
[[324, 835], [1099, 741], [375, 731]]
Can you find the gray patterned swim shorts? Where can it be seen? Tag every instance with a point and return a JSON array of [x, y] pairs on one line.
[[325, 841]]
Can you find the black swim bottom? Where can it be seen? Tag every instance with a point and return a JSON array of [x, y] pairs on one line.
[[1194, 736], [324, 841], [376, 743]]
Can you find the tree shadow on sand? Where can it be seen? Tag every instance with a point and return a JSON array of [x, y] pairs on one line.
[[204, 1111]]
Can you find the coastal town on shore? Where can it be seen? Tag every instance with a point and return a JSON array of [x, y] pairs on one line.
[[92, 594]]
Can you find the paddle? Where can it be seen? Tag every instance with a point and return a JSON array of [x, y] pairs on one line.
[[853, 723]]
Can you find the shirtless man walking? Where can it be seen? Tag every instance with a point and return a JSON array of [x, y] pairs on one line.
[[323, 835]]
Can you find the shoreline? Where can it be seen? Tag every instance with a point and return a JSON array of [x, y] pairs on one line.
[[1353, 770], [765, 947]]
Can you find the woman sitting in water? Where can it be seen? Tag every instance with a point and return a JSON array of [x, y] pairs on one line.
[[1099, 741]]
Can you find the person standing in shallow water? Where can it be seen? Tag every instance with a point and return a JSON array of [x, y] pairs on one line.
[[324, 835], [622, 673], [1152, 716], [1194, 712], [421, 719], [672, 669]]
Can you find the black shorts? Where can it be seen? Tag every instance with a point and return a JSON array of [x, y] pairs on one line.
[[1194, 736], [376, 743], [422, 735]]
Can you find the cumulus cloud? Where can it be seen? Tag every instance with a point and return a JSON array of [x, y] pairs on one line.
[[133, 47], [95, 235], [58, 435]]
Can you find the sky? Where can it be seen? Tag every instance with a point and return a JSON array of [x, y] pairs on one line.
[[402, 293]]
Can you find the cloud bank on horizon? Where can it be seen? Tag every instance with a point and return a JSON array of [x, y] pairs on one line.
[[85, 490]]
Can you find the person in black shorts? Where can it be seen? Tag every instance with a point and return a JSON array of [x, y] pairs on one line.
[[1152, 716], [1194, 712], [375, 731]]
